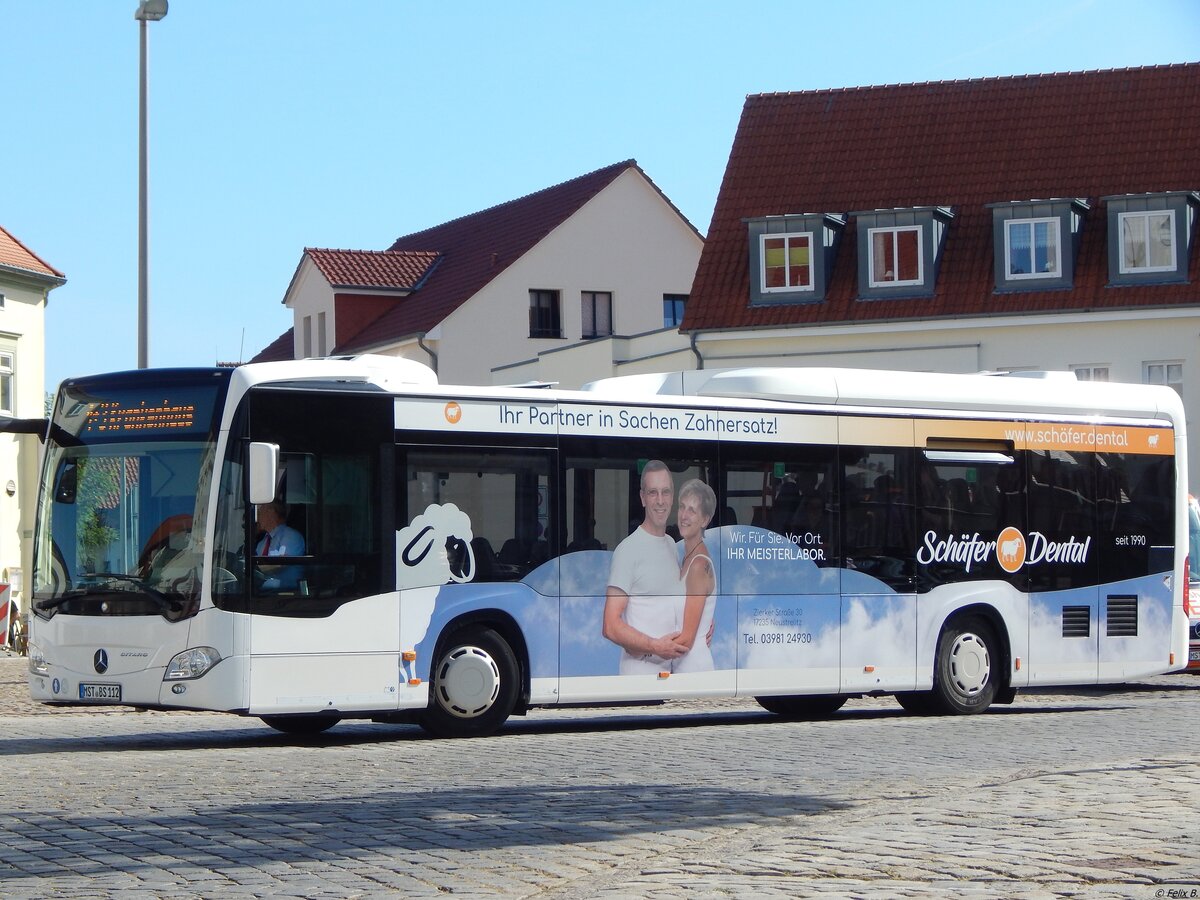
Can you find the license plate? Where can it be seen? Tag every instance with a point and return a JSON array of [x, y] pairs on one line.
[[100, 693], [1194, 654]]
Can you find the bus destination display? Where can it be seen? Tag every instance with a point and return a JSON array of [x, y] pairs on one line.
[[115, 417]]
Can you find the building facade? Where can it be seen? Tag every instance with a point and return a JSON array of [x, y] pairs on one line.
[[25, 284], [1043, 222], [580, 262]]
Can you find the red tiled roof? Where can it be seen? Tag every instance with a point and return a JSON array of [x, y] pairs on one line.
[[280, 349], [961, 144], [15, 255], [373, 269], [475, 249]]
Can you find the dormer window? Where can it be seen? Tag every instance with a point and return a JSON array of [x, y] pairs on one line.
[[899, 251], [1036, 242], [786, 262], [1031, 249], [791, 257], [895, 257], [1147, 241], [1150, 236]]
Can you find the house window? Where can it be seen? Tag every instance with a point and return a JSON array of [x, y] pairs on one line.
[[1150, 237], [791, 257], [786, 262], [1, 299], [673, 305], [322, 346], [544, 319], [1036, 242], [895, 256], [597, 314], [1168, 373], [1031, 248], [1090, 373], [900, 251], [7, 394], [1147, 241], [308, 345]]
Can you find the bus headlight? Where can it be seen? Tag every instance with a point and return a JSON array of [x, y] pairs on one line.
[[37, 661], [191, 663]]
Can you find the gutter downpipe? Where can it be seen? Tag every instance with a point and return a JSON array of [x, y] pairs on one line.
[[696, 350], [432, 356]]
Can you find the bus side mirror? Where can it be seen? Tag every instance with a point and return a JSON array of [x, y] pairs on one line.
[[264, 472]]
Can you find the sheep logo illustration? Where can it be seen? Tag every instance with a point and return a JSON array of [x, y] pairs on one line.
[[1010, 549], [435, 548]]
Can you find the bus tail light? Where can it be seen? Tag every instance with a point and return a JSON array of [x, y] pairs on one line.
[[1187, 580]]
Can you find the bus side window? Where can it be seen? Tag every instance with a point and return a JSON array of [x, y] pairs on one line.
[[491, 508], [791, 490], [603, 483], [878, 513]]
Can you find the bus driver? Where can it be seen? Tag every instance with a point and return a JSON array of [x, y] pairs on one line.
[[279, 539]]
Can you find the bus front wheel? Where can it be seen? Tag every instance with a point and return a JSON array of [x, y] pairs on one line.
[[474, 685], [966, 671]]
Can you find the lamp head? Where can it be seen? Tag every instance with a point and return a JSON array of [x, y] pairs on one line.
[[151, 10]]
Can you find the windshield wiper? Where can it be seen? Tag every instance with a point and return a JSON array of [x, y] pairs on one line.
[[161, 600]]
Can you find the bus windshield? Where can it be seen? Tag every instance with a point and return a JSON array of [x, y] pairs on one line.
[[124, 504]]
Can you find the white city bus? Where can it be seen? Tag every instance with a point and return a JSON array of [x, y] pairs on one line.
[[948, 539]]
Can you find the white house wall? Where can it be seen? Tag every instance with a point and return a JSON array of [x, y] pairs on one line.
[[627, 239], [310, 296], [573, 365], [22, 332]]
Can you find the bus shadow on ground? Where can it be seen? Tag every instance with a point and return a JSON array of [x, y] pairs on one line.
[[186, 737], [1183, 684]]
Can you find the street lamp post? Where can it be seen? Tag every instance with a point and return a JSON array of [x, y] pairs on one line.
[[147, 11]]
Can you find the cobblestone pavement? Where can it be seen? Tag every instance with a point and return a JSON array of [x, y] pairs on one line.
[[1089, 793]]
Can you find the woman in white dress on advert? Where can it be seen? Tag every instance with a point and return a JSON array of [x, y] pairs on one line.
[[697, 583]]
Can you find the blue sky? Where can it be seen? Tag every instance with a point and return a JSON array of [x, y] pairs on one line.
[[278, 125]]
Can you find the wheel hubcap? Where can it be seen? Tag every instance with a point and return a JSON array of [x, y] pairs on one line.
[[468, 682], [970, 665]]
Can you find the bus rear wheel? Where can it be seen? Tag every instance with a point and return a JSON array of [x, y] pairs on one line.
[[817, 706], [966, 670], [474, 685]]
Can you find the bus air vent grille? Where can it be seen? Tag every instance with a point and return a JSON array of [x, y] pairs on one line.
[[1122, 616], [1077, 621]]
